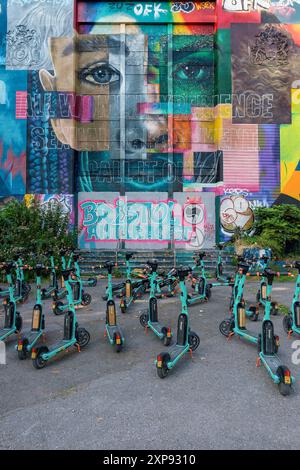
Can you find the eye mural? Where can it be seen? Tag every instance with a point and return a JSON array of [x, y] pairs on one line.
[[164, 123]]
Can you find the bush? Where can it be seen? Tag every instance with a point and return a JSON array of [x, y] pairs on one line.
[[34, 229], [276, 227]]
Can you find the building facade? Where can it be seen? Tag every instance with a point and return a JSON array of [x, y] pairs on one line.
[[155, 124]]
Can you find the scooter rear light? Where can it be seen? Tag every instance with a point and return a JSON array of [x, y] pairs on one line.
[[287, 377], [277, 341], [118, 339], [169, 333], [33, 353], [159, 361]]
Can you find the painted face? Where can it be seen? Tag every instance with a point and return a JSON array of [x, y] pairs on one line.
[[118, 89]]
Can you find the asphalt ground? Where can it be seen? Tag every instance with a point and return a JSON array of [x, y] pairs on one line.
[[98, 399]]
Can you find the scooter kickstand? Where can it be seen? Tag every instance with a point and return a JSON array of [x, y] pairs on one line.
[[146, 330], [258, 362], [78, 347], [191, 353], [290, 332], [230, 336]]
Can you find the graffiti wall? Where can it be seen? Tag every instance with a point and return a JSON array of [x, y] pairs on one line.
[[148, 118]]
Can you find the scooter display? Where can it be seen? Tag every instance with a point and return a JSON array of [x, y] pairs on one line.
[[268, 344], [12, 319], [202, 289], [291, 321], [187, 340], [149, 318], [30, 338], [73, 334], [112, 330]]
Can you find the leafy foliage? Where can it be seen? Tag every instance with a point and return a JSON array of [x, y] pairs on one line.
[[276, 227], [33, 229]]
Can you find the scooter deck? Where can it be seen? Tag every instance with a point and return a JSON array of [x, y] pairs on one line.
[[157, 326], [176, 350], [32, 336], [60, 344], [273, 362], [4, 332], [112, 330]]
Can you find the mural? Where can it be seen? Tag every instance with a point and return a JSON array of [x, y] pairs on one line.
[[142, 118]]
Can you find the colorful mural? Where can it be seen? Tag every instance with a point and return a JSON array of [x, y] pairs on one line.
[[144, 117]]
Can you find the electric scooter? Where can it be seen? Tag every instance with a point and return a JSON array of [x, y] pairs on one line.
[[268, 345], [12, 319], [73, 334], [21, 287], [170, 280], [112, 330], [291, 321], [253, 311], [29, 339], [261, 295], [48, 292], [131, 290], [236, 324], [90, 282], [149, 318], [187, 340], [202, 289], [79, 297], [119, 289]]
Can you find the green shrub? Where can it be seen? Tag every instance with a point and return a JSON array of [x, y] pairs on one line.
[[34, 229], [276, 227]]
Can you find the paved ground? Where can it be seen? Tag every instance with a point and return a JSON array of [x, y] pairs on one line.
[[102, 400]]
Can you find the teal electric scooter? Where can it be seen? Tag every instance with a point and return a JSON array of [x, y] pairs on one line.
[[90, 282], [200, 286], [79, 296], [169, 280], [253, 311], [30, 338], [236, 324], [261, 296], [48, 292], [268, 344], [187, 340], [112, 331], [149, 318], [291, 321], [132, 289], [73, 334], [12, 319], [221, 279]]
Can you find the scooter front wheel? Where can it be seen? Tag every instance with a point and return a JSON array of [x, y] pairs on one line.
[[144, 319], [254, 313], [57, 310], [39, 362], [92, 281], [86, 299], [225, 327], [287, 323], [194, 340], [83, 337]]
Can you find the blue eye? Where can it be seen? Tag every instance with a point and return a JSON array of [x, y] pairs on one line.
[[100, 74], [191, 72]]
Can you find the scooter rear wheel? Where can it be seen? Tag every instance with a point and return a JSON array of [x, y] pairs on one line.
[[194, 340], [162, 372], [284, 389], [287, 323], [167, 341]]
